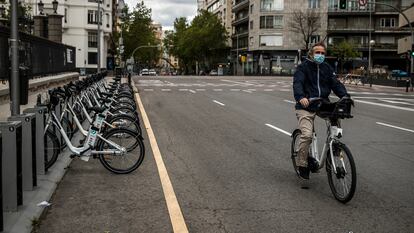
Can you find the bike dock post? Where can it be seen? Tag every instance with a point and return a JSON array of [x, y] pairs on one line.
[[28, 149], [39, 112], [1, 186], [11, 165]]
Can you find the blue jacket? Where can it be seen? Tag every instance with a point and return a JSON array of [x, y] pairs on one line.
[[312, 80]]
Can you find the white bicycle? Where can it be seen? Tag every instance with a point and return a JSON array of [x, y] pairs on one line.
[[340, 165]]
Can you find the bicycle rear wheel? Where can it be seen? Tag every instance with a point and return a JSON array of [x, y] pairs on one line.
[[131, 141], [343, 183], [294, 149], [52, 148]]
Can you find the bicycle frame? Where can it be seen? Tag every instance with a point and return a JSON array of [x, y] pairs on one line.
[[86, 146], [333, 135]]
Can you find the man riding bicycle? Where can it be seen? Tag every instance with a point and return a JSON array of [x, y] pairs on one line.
[[313, 78]]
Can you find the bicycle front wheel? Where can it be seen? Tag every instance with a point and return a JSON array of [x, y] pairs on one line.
[[343, 183], [128, 162], [294, 149]]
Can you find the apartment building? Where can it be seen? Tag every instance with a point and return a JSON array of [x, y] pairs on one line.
[[353, 25], [221, 8], [262, 39], [80, 28]]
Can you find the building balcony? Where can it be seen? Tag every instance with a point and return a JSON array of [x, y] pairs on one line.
[[377, 47], [240, 34], [337, 29], [350, 11], [240, 5], [242, 20]]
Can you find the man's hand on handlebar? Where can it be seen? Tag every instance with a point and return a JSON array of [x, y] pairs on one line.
[[304, 102]]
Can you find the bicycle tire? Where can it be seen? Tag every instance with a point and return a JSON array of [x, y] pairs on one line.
[[67, 126], [133, 125], [108, 160], [294, 153], [339, 147], [51, 149]]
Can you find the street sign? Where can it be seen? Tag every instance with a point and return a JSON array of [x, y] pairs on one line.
[[363, 2]]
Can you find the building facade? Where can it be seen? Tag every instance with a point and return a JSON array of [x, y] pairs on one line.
[[263, 41], [80, 29], [371, 26]]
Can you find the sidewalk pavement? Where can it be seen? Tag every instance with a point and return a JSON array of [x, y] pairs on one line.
[[27, 214]]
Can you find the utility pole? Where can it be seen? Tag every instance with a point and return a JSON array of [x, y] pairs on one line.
[[99, 36], [237, 53], [14, 45]]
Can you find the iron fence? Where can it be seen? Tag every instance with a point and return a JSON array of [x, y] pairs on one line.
[[37, 56]]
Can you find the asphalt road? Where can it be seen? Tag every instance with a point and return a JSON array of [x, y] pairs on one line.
[[232, 173]]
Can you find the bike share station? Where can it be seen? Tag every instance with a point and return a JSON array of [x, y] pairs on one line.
[[25, 182]]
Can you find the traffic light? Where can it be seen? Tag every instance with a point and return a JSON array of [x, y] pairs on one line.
[[412, 50], [342, 4]]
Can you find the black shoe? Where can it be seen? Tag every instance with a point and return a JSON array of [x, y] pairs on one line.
[[304, 173]]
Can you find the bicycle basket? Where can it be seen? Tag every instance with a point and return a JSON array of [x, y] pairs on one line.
[[340, 109]]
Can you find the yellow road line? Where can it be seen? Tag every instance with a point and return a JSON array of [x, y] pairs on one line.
[[174, 210]]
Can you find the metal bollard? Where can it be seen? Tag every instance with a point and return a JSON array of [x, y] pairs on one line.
[[11, 164], [28, 121], [39, 111]]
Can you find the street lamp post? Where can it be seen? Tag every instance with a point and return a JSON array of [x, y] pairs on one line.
[[14, 45], [99, 37], [142, 46]]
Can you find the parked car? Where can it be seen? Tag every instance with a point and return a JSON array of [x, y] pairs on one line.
[[213, 73], [144, 72], [152, 72], [399, 73]]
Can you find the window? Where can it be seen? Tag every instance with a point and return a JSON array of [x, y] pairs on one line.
[[251, 41], [66, 15], [251, 24], [271, 5], [92, 39], [271, 21], [214, 6], [107, 20], [92, 58], [271, 40], [314, 39], [387, 22], [313, 3], [251, 9], [92, 17]]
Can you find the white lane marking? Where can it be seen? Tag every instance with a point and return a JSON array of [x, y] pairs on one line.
[[247, 91], [200, 89], [251, 89], [182, 89], [396, 102], [285, 90], [192, 91], [174, 210], [279, 129], [385, 105], [268, 90], [234, 89], [241, 83], [165, 89], [374, 93], [148, 89], [217, 89], [290, 101], [395, 127], [219, 103]]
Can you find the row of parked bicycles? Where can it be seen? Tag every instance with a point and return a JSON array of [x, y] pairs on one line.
[[104, 114]]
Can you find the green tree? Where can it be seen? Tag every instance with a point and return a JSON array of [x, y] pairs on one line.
[[137, 31], [202, 42], [345, 51]]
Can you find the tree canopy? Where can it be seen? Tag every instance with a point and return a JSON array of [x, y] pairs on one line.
[[137, 31], [204, 40]]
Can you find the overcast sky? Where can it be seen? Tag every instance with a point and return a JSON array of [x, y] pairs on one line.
[[165, 11]]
